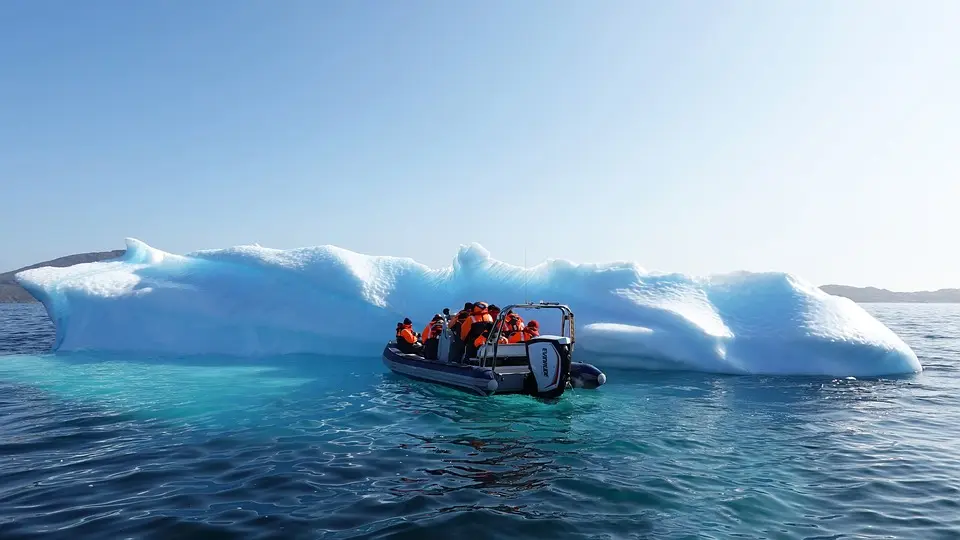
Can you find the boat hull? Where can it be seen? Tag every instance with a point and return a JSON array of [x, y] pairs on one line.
[[473, 379], [484, 381]]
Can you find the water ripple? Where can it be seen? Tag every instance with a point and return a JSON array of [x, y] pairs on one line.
[[335, 448]]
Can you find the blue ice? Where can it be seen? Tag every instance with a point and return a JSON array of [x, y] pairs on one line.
[[254, 301]]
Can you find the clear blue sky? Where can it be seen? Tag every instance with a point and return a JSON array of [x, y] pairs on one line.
[[821, 138]]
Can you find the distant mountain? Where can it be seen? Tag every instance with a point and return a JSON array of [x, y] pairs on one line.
[[866, 295], [12, 292]]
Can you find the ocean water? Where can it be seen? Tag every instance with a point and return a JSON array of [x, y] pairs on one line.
[[108, 446]]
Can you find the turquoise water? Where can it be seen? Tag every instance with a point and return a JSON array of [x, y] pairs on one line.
[[319, 447]]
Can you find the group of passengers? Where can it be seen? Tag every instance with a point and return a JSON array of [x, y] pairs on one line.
[[470, 328]]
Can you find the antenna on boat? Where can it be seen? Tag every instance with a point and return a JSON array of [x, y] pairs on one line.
[[526, 276]]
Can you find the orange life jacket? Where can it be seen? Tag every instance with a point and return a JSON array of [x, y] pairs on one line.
[[406, 334], [432, 330], [457, 321], [513, 329], [482, 339], [435, 329], [476, 317]]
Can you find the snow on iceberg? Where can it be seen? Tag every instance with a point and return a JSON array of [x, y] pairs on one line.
[[250, 300]]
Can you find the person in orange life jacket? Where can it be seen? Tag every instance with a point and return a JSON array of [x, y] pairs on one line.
[[471, 329], [455, 352], [431, 337], [483, 332], [483, 337], [531, 330], [513, 328], [494, 312], [511, 314], [406, 339], [436, 329], [457, 321], [427, 330], [508, 321]]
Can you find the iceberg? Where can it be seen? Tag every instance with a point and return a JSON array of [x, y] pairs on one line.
[[252, 301]]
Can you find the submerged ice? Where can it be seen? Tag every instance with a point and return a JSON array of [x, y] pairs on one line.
[[250, 300]]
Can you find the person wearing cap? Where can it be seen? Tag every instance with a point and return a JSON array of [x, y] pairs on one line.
[[455, 352], [531, 330], [428, 329], [406, 339], [513, 315], [471, 327], [457, 321], [431, 337], [513, 328]]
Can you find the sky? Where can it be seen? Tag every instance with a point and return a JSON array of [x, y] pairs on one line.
[[818, 138]]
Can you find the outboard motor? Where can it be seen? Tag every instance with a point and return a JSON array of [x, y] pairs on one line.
[[549, 358]]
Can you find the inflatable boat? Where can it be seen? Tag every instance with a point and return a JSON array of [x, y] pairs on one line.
[[542, 366]]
